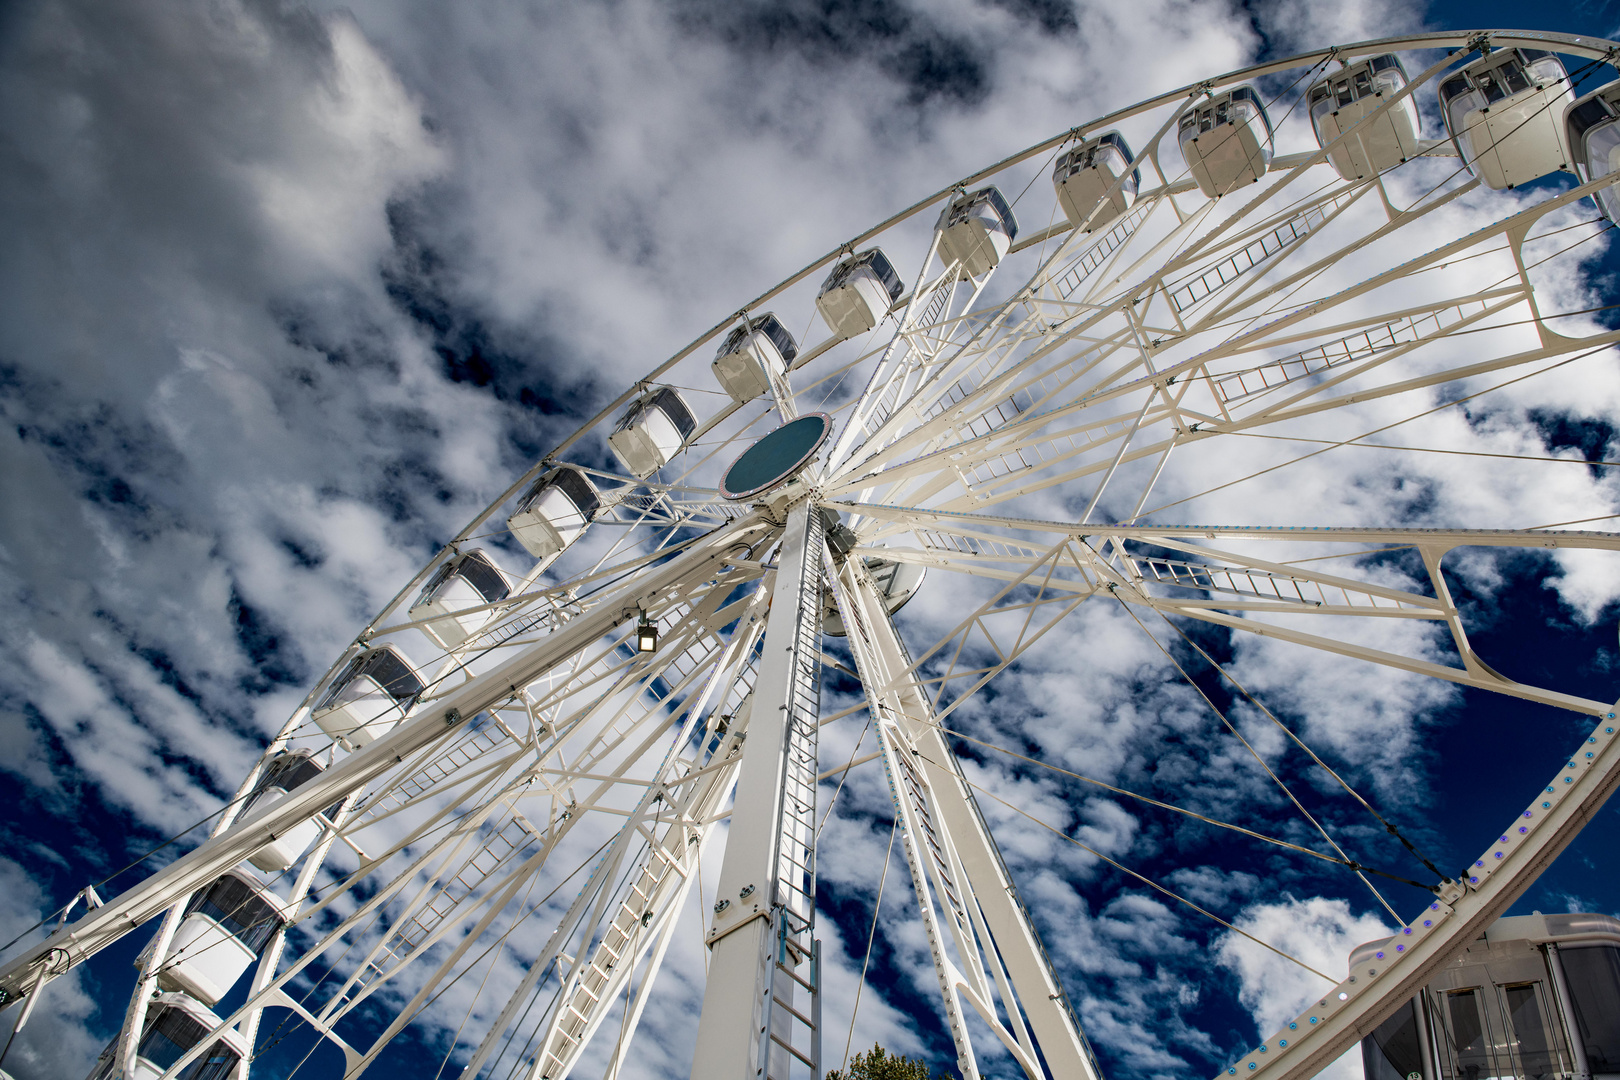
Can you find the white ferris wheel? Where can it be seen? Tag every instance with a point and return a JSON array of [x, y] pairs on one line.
[[1019, 402]]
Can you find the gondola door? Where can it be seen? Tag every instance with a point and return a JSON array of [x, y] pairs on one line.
[[1506, 1026]]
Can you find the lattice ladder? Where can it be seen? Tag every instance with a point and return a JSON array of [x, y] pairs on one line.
[[424, 919]]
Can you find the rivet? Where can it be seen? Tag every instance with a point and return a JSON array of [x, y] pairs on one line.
[[1313, 1019], [1589, 753], [1473, 881], [1569, 779], [1343, 996], [1527, 813], [1593, 739], [1433, 907], [1251, 1065], [1428, 922], [1546, 806], [1407, 931], [1379, 956], [1523, 829], [1292, 1025], [1479, 862], [1498, 854], [1262, 1048], [1400, 948], [1281, 1043]]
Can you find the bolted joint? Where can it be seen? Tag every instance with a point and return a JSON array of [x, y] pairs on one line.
[[452, 717]]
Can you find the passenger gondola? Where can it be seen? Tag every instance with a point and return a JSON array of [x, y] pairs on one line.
[[369, 696], [554, 511], [1533, 996], [285, 772], [467, 580], [1505, 113], [225, 929], [174, 1024], [1226, 141], [750, 354], [976, 230], [1592, 130], [652, 430], [859, 292], [1344, 102], [1089, 177]]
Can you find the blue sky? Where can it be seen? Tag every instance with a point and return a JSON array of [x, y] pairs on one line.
[[290, 292]]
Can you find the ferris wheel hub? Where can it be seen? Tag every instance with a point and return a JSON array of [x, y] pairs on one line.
[[773, 464]]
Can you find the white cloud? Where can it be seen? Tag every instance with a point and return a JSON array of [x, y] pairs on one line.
[[1319, 932]]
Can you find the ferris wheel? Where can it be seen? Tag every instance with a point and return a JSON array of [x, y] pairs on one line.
[[1012, 408]]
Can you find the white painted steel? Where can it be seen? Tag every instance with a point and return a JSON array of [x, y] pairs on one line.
[[761, 895]]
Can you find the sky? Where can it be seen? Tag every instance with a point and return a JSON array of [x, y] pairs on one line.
[[289, 292]]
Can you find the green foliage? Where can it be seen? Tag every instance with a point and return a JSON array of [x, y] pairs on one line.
[[878, 1064]]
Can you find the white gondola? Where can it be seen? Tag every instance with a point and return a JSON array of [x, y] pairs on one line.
[[652, 431], [1344, 100], [1505, 113], [1535, 995], [1226, 141], [1086, 179], [859, 292], [467, 580], [976, 230], [1592, 131], [174, 1024], [554, 511], [897, 583], [750, 354], [286, 771], [225, 929], [369, 696]]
